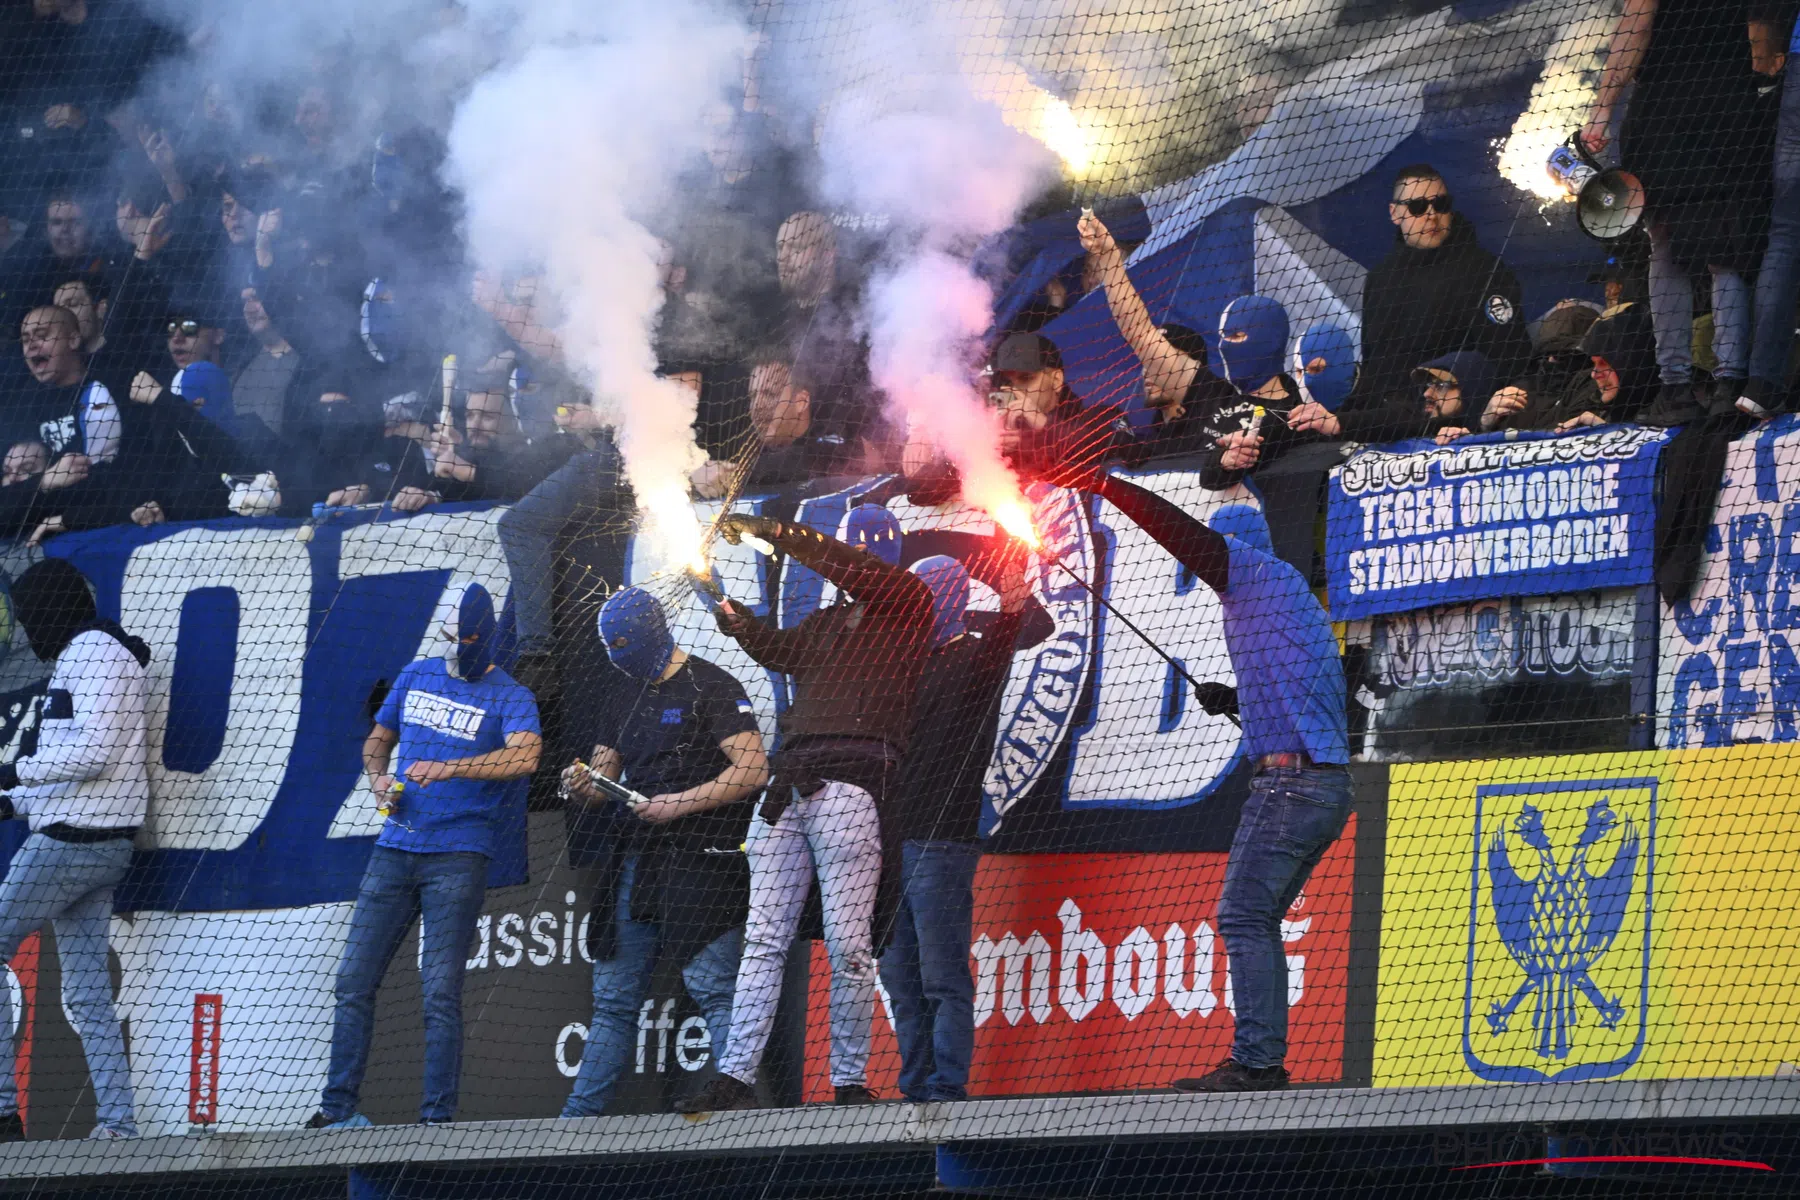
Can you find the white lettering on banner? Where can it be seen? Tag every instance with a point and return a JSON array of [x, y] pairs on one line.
[[1047, 681], [1012, 976], [442, 715], [1486, 552], [1147, 742], [1506, 637], [691, 1046], [271, 575], [1134, 973], [1729, 667], [565, 1066], [1007, 963], [1386, 470], [1185, 997], [467, 546], [1081, 983]]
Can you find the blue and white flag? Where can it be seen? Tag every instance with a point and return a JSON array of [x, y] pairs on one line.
[[1417, 524]]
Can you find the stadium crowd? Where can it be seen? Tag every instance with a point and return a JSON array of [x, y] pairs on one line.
[[223, 311]]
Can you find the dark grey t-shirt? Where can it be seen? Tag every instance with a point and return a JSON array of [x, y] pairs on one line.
[[261, 387]]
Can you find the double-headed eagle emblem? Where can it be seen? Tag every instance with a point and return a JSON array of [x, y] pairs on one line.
[[1557, 923]]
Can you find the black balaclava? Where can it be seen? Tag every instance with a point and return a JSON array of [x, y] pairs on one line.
[[53, 603]]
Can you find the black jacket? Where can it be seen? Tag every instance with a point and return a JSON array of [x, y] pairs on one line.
[[1421, 304]]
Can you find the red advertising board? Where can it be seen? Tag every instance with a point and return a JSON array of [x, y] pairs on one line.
[[203, 1059], [1105, 972], [24, 966]]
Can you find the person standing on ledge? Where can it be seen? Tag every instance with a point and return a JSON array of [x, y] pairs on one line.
[[1291, 703], [465, 731], [85, 789]]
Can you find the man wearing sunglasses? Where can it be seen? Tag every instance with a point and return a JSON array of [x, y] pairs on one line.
[[1436, 293]]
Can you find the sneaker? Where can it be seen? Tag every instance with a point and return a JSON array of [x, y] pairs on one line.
[[725, 1093], [354, 1121], [1760, 399], [1675, 404], [12, 1128], [437, 1120], [854, 1093], [1234, 1076], [106, 1133]]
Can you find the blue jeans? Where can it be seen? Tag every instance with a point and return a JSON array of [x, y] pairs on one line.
[[71, 887], [925, 969], [1291, 818], [528, 532], [1672, 315], [446, 891], [1778, 280], [621, 984]]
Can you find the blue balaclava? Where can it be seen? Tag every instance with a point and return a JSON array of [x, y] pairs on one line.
[[1260, 356], [636, 633], [875, 529], [949, 584], [475, 619], [1335, 344], [1244, 523], [206, 387]]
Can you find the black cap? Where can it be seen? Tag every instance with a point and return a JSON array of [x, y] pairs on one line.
[[1026, 354], [1612, 272]]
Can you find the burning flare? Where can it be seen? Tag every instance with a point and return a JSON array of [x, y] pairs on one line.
[[1014, 515], [1039, 114], [1560, 102]]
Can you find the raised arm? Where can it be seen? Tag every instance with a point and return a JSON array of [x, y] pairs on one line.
[[1624, 55], [870, 580], [1167, 371], [1194, 546]]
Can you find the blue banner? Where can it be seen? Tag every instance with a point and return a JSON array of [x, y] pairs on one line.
[[1418, 525]]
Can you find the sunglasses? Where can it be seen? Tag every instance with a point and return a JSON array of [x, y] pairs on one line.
[[1418, 205], [186, 328]]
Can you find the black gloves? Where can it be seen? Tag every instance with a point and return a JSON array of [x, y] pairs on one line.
[[734, 527], [1217, 699]]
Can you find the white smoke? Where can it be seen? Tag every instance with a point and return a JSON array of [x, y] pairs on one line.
[[910, 140], [563, 152]]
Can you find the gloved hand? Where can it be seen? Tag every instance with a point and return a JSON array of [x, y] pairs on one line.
[[734, 527], [732, 621], [1218, 699]]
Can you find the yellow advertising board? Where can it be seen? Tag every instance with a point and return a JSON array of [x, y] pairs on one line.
[[1596, 916]]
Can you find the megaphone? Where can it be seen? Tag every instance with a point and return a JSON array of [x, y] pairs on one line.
[[1608, 202]]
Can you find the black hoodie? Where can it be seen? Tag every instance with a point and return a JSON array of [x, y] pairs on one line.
[[1421, 304]]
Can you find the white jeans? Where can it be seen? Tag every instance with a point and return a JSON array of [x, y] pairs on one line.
[[836, 833]]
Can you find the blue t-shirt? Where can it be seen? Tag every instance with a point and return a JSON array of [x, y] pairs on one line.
[[440, 717], [1289, 676]]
